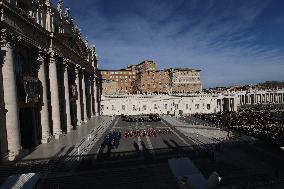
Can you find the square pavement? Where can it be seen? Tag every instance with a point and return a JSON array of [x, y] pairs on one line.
[[66, 143]]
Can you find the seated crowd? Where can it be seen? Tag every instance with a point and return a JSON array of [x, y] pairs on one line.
[[141, 118], [263, 122], [112, 139], [151, 132]]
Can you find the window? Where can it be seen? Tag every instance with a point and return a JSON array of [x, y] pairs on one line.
[[155, 106], [208, 106], [186, 106], [144, 107], [123, 107], [134, 108], [166, 106], [197, 106], [176, 106], [112, 107], [102, 107]]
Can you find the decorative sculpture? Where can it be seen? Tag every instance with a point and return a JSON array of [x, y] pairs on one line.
[[67, 13], [86, 42], [59, 7]]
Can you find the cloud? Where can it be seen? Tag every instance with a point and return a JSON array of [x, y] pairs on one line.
[[222, 38]]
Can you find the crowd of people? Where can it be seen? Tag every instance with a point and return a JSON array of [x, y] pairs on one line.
[[264, 122], [151, 132], [112, 139], [141, 118]]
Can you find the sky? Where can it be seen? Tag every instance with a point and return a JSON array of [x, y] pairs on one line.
[[232, 41]]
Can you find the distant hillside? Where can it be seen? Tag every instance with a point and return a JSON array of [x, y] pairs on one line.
[[270, 85]]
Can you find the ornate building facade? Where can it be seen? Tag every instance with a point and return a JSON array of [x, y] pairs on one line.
[[48, 75], [144, 78]]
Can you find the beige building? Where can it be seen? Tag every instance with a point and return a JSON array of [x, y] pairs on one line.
[[152, 82], [184, 80], [109, 87], [144, 78], [117, 81], [48, 75], [146, 65]]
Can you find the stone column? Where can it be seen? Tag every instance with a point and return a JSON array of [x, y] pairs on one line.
[[48, 22], [92, 96], [44, 115], [96, 98], [11, 101], [78, 101], [249, 98], [67, 98], [263, 98], [54, 97], [274, 98], [84, 97]]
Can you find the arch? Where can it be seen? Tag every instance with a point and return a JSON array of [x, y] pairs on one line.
[[25, 66]]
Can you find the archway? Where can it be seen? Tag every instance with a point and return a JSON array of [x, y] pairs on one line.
[[27, 95]]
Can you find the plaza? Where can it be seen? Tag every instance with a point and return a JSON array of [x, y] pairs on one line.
[[66, 122], [142, 161]]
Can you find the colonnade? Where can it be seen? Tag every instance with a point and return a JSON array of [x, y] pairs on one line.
[[261, 97], [49, 97], [226, 104]]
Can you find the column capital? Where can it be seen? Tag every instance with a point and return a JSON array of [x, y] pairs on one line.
[[66, 63], [78, 67], [51, 54], [3, 38], [92, 78], [8, 40], [40, 58]]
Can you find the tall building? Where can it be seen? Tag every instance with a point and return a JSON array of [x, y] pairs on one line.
[[184, 80], [48, 75], [146, 65], [117, 81], [152, 82], [144, 78]]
